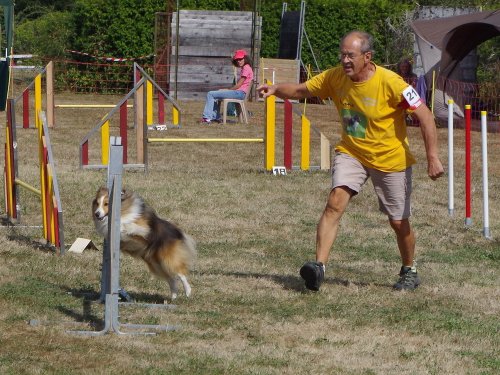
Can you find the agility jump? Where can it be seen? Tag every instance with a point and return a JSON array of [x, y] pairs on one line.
[[269, 139], [289, 110], [142, 95], [110, 291], [49, 190]]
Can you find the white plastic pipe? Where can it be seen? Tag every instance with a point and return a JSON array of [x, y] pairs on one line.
[[484, 149], [451, 192]]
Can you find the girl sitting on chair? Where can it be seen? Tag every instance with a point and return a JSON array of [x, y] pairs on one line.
[[238, 91]]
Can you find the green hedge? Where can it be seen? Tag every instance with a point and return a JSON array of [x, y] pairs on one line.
[[125, 28]]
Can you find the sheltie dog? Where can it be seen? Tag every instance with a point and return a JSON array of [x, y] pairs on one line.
[[166, 249]]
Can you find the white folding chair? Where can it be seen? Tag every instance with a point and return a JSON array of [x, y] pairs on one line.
[[240, 109]]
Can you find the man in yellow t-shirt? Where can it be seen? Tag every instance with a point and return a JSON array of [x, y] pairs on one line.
[[372, 103]]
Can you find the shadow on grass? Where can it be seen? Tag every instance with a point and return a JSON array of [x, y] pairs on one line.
[[288, 282], [295, 283], [14, 235], [86, 317], [90, 296]]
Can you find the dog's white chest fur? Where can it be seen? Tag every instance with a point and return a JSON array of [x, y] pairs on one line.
[[129, 223]]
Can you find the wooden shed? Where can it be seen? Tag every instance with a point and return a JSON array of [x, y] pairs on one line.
[[206, 42]]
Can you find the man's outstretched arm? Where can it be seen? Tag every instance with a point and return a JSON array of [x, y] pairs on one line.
[[285, 90]]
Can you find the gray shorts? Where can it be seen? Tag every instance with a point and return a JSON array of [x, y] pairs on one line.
[[393, 189]]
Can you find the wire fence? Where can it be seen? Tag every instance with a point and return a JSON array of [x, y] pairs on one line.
[[116, 77], [481, 97]]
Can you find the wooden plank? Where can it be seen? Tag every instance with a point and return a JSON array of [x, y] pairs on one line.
[[213, 12], [201, 23], [223, 15], [199, 36], [204, 61], [204, 14], [220, 79], [210, 43], [284, 70], [224, 69], [214, 50]]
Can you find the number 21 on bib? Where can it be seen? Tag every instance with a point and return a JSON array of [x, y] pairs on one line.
[[412, 98]]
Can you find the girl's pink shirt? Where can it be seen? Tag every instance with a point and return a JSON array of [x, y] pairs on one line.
[[247, 73]]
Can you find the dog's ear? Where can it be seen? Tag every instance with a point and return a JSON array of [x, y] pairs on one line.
[[102, 189], [125, 194]]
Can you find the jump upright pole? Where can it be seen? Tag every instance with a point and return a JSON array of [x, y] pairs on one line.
[[287, 141], [306, 143], [270, 136]]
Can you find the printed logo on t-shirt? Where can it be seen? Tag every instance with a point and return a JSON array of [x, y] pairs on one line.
[[354, 123]]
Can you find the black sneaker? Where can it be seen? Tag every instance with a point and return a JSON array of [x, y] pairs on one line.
[[408, 280], [313, 273]]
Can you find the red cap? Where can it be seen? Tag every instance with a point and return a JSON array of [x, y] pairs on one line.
[[239, 54]]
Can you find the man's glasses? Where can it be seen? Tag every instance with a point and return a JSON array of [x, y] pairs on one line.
[[350, 56]]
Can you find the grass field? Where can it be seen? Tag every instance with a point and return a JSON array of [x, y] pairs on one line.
[[249, 312]]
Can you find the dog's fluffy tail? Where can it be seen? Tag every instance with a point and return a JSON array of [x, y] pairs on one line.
[[190, 246]]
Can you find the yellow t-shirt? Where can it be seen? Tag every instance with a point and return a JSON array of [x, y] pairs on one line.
[[373, 116]]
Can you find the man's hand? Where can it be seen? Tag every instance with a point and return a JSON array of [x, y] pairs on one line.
[[266, 90], [435, 168]]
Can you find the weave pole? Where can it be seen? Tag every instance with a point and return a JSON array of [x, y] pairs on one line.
[[468, 171], [451, 188], [484, 153]]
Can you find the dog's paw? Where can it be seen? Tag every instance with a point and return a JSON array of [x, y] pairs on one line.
[[188, 292]]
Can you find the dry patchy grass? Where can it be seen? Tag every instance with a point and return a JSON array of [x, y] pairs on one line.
[[249, 313]]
